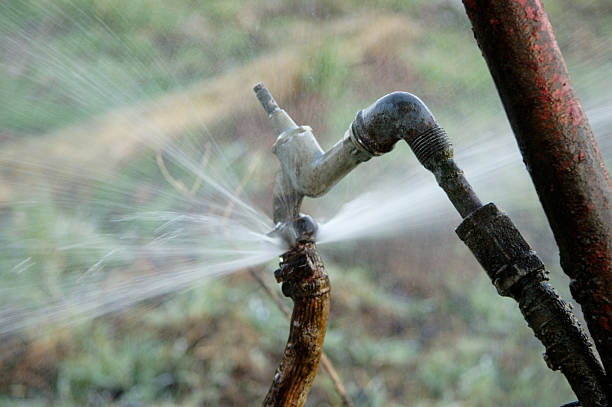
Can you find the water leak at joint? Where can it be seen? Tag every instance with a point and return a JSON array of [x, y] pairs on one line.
[[136, 198]]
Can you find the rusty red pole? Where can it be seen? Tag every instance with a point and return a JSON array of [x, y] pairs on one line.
[[558, 147]]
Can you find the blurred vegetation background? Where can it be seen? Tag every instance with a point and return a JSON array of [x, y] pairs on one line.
[[414, 320]]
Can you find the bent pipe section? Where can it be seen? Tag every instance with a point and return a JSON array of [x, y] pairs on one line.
[[403, 116], [396, 116]]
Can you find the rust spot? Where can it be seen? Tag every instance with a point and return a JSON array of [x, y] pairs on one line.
[[558, 148], [531, 13]]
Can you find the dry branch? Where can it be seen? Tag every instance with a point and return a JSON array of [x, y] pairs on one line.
[[327, 364], [306, 282]]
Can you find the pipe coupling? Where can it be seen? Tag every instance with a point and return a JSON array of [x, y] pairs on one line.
[[500, 248]]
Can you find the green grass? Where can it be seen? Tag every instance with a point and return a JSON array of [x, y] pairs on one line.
[[404, 337]]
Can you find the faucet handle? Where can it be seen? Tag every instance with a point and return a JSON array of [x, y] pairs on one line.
[[280, 121]]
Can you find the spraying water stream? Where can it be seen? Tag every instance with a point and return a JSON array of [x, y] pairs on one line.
[[89, 231]]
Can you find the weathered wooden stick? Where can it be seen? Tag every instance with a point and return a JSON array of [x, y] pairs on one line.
[[327, 364], [306, 282]]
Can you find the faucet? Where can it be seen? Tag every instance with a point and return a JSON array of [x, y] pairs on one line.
[[306, 170], [513, 267]]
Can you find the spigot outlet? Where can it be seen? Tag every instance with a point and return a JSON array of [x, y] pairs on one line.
[[302, 229], [306, 170], [279, 120], [265, 98]]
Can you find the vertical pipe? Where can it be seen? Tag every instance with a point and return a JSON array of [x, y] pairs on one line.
[[558, 148]]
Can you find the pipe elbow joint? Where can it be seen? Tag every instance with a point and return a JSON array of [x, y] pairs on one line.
[[397, 116]]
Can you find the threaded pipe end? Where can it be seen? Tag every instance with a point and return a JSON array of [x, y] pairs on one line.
[[431, 146], [265, 98]]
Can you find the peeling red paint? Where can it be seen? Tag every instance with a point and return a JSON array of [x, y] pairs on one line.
[[558, 148], [531, 13]]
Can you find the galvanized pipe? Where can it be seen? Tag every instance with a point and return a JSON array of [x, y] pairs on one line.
[[558, 148], [306, 170]]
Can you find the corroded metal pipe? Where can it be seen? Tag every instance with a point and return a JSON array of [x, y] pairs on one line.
[[516, 271], [403, 116], [306, 282], [558, 148], [512, 265]]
